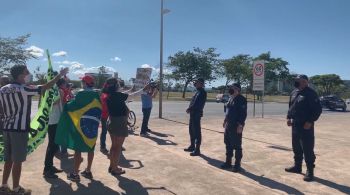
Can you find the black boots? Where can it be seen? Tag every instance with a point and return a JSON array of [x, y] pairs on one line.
[[189, 149], [227, 164], [237, 167], [294, 169], [309, 176], [196, 151]]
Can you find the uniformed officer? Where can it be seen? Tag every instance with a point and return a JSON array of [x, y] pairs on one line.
[[236, 115], [304, 109], [196, 112]]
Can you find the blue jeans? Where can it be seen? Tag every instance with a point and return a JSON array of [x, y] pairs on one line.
[[103, 133]]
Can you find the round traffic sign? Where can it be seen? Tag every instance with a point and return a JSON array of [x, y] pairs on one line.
[[259, 69]]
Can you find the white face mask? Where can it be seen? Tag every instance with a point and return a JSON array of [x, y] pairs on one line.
[[27, 78]]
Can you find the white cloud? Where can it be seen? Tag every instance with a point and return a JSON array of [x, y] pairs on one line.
[[146, 66], [156, 70], [116, 59], [78, 69], [59, 54], [36, 51]]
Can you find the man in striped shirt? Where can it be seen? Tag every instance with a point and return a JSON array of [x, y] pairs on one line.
[[16, 102]]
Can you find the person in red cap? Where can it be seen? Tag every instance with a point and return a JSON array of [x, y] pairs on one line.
[[83, 100]]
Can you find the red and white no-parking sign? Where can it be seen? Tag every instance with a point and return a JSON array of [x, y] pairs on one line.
[[258, 76]]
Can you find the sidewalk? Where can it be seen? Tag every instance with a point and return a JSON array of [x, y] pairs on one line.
[[158, 164]]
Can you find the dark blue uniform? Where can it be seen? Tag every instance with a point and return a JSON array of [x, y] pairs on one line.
[[235, 116], [304, 106], [196, 112]]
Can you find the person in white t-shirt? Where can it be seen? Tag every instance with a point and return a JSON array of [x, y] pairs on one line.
[[52, 148]]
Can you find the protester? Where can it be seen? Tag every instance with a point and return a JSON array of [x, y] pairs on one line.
[[104, 117], [149, 92], [304, 110], [4, 80], [234, 122], [67, 96], [17, 97], [117, 122], [196, 113], [78, 126], [52, 148]]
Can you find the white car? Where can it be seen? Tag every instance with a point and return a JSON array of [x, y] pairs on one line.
[[347, 101]]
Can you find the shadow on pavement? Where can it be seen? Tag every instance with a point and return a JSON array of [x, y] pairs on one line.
[[330, 184], [161, 141], [221, 132], [160, 134], [260, 179], [59, 187], [131, 186], [271, 183], [126, 163]]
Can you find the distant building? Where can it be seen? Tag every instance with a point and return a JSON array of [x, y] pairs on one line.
[[96, 75]]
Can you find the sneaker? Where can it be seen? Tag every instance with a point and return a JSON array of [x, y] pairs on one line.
[[104, 151], [144, 134], [50, 175], [73, 177], [55, 170], [87, 175], [5, 190], [21, 191], [293, 169]]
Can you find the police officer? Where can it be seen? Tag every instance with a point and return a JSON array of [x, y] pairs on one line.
[[196, 112], [236, 115], [304, 109]]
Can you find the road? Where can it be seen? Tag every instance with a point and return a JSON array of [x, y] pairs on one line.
[[213, 110]]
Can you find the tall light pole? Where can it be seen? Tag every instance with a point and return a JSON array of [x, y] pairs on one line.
[[162, 12]]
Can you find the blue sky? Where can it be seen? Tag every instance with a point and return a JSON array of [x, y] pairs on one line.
[[312, 35]]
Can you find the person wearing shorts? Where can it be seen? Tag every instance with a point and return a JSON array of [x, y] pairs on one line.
[[16, 101]]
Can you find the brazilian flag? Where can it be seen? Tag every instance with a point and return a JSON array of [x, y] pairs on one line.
[[79, 121]]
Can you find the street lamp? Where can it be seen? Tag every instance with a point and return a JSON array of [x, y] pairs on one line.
[[162, 13]]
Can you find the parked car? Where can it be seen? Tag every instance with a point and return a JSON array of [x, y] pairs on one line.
[[222, 98], [333, 102], [347, 102]]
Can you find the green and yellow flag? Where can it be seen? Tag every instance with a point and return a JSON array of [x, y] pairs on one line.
[[78, 125], [39, 125]]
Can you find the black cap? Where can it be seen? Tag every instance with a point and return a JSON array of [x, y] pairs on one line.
[[302, 76], [199, 80], [237, 85]]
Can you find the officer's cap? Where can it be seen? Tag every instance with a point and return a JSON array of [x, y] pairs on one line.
[[302, 76]]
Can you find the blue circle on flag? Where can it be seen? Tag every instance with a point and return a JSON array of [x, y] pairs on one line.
[[90, 121]]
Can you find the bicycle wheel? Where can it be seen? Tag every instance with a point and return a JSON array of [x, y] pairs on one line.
[[131, 119]]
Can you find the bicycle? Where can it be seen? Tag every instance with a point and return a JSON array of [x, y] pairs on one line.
[[131, 118]]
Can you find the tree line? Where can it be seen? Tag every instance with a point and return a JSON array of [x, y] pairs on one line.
[[186, 66]]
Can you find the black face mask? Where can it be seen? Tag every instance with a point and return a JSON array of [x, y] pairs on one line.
[[231, 91], [296, 84]]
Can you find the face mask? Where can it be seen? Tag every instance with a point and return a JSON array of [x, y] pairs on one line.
[[231, 91], [296, 84], [27, 78]]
